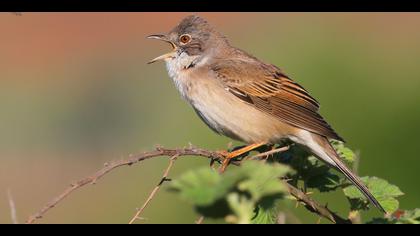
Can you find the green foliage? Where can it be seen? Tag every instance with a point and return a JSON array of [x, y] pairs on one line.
[[345, 153], [314, 173], [265, 215], [320, 176], [408, 217], [401, 217], [237, 192], [383, 191], [242, 208], [250, 193], [203, 187]]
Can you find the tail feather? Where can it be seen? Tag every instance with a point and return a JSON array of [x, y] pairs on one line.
[[355, 180], [324, 150]]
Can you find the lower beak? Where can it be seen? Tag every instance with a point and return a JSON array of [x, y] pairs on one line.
[[169, 55]]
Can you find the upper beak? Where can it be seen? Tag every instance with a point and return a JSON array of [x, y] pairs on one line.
[[164, 38]]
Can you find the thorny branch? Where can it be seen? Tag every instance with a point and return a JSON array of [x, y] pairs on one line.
[[315, 207], [310, 204], [155, 190], [130, 161]]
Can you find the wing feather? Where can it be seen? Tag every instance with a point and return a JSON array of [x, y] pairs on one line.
[[269, 90]]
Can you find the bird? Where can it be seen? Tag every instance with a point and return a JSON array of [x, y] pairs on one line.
[[239, 96]]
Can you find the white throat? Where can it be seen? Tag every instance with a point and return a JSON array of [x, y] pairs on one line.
[[180, 68], [182, 62]]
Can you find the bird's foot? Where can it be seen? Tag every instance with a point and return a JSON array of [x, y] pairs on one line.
[[228, 156]]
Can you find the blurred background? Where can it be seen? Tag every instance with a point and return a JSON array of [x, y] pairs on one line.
[[75, 92]]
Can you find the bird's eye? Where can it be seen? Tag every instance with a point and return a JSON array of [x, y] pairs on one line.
[[185, 38]]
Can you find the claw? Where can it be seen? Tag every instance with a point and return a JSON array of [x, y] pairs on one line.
[[230, 155]]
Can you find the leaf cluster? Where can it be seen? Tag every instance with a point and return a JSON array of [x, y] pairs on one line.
[[251, 192]]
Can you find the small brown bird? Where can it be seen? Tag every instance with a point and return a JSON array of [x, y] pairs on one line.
[[243, 98]]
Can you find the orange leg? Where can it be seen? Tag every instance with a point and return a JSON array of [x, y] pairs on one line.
[[238, 152]]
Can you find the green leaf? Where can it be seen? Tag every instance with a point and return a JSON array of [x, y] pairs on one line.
[[316, 174], [263, 179], [344, 152], [323, 179], [410, 217], [383, 191], [242, 207], [202, 187], [403, 217], [389, 204], [236, 193], [265, 215]]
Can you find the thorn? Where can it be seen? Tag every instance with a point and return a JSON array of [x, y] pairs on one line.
[[158, 147], [212, 164], [313, 206]]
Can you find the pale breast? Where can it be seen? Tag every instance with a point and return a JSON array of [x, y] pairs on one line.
[[225, 113]]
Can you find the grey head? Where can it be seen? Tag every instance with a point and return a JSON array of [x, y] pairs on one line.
[[192, 37]]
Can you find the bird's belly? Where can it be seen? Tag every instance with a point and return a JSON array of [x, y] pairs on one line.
[[229, 116]]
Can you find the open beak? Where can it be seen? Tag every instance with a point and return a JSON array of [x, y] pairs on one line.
[[168, 55]]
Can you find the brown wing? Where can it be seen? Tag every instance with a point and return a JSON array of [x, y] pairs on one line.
[[269, 90]]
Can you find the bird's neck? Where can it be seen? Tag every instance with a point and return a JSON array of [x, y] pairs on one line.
[[184, 63]]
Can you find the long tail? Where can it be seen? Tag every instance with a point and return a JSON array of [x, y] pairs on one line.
[[321, 147]]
